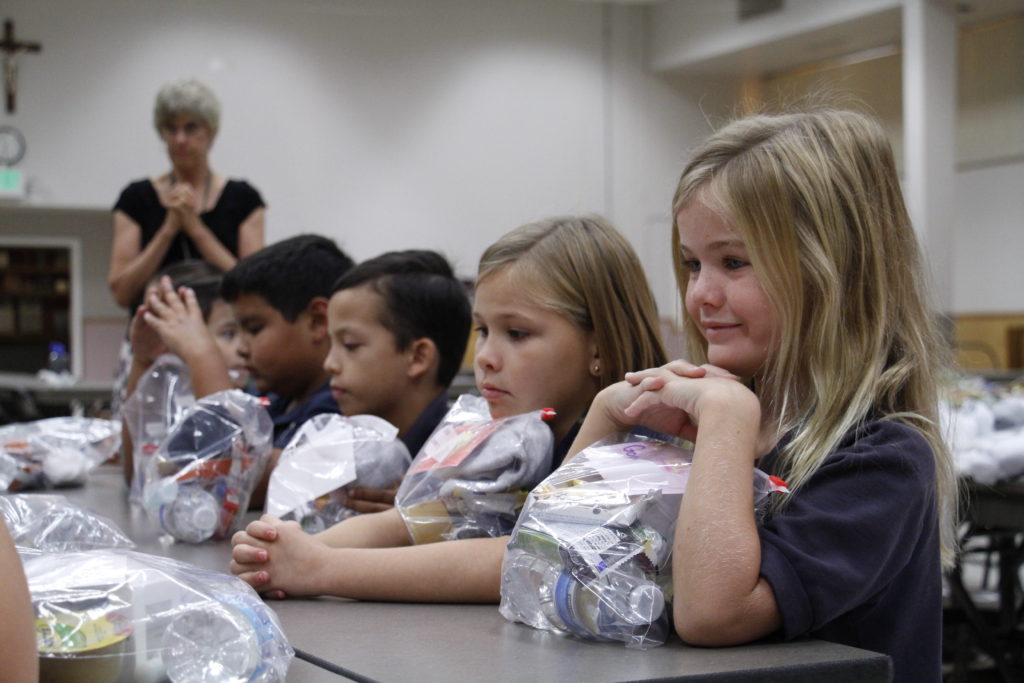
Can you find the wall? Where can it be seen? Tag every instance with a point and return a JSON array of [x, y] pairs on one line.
[[689, 37], [989, 207], [381, 123], [653, 123], [710, 37], [385, 124]]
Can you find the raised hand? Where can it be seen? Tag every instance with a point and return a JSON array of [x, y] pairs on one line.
[[178, 319], [144, 339]]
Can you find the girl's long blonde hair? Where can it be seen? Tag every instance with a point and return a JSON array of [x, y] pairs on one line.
[[816, 198], [584, 269]]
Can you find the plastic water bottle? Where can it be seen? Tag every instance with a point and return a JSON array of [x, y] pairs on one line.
[[192, 516], [58, 360], [212, 642], [530, 583], [614, 606]]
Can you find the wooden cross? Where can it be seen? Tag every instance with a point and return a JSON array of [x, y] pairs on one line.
[[11, 49]]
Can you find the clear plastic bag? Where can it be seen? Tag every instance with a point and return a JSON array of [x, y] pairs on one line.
[[472, 475], [52, 523], [56, 451], [199, 480], [328, 456], [591, 553], [110, 615], [161, 398]]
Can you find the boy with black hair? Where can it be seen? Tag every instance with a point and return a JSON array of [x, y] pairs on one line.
[[398, 324], [279, 295], [280, 299]]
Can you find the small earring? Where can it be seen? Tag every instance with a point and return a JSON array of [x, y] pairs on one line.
[[597, 368]]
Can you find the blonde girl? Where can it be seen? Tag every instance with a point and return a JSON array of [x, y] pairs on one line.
[[562, 309], [814, 357]]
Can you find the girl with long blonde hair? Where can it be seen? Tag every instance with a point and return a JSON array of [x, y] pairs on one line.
[[814, 357]]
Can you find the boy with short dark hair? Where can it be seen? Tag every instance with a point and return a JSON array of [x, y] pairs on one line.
[[280, 296], [280, 299], [398, 324]]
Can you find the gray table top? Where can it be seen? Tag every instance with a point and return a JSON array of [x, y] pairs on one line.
[[51, 394], [400, 642]]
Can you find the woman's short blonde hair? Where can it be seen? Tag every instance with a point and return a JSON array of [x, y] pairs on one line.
[[584, 269], [187, 97], [816, 198]]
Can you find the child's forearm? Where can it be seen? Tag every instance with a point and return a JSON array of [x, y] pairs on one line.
[[206, 368], [373, 530], [450, 571], [136, 370], [127, 454], [720, 598], [598, 422], [259, 494]]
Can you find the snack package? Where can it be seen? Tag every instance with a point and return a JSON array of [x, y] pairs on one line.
[[161, 398], [118, 615], [472, 475], [52, 523], [56, 451], [200, 478], [328, 456], [591, 553]]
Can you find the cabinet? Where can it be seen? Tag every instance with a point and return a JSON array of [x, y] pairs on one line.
[[35, 304]]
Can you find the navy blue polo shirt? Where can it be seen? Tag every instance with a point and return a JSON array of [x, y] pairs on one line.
[[287, 423], [853, 556], [425, 424]]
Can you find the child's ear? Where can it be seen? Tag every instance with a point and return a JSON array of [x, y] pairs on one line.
[[317, 310], [422, 354], [595, 361]]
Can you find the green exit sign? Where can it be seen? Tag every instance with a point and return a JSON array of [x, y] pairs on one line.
[[12, 183]]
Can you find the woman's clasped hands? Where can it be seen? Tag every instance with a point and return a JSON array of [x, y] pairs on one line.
[[183, 205]]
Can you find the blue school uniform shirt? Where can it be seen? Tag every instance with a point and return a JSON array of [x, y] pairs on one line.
[[853, 557], [425, 424], [287, 423]]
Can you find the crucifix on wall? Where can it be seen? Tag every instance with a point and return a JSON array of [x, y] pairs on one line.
[[12, 49]]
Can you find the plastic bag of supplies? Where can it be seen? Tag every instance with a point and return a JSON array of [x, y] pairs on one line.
[[118, 615], [591, 553], [472, 475], [329, 455], [56, 451], [200, 478], [161, 398], [52, 523]]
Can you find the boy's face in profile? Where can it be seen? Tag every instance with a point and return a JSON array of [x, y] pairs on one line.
[[224, 327], [276, 352], [369, 374]]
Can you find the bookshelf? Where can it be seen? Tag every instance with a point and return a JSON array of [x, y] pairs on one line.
[[37, 301]]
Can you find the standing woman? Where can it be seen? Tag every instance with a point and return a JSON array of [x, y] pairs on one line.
[[189, 212]]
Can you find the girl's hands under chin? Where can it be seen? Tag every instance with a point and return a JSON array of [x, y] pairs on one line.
[[614, 400], [667, 399]]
